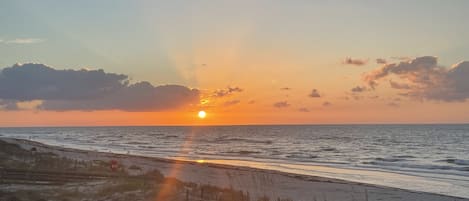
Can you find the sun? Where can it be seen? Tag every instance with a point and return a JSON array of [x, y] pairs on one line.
[[202, 114]]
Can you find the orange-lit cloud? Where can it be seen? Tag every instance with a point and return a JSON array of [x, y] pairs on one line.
[[356, 62], [314, 94], [226, 92], [424, 79], [281, 104]]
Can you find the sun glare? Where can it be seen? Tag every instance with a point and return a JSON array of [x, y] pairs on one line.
[[202, 114]]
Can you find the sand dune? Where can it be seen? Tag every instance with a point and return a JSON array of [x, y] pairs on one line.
[[254, 184]]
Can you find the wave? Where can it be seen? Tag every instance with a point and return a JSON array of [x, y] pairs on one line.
[[136, 143], [301, 155], [253, 141], [417, 166], [328, 149], [390, 159], [147, 147], [456, 161], [169, 136], [243, 152], [404, 156]]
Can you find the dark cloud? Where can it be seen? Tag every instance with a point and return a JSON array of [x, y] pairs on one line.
[[62, 90], [326, 104], [381, 61], [358, 89], [422, 78], [356, 62], [226, 92], [303, 109], [314, 94], [397, 85], [231, 102], [285, 88], [281, 104]]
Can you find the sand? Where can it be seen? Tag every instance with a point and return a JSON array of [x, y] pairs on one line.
[[257, 183]]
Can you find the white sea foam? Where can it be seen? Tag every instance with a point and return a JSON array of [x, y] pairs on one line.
[[430, 151]]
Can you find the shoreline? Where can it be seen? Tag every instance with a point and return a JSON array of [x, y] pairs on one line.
[[414, 181], [258, 182]]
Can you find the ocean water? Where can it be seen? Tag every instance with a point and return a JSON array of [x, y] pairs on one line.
[[431, 158]]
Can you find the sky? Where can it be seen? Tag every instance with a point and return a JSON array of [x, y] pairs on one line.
[[97, 63]]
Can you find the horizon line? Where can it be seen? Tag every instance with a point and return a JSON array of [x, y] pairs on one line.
[[228, 125]]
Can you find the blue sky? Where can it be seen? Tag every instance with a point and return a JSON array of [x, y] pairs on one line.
[[116, 35]]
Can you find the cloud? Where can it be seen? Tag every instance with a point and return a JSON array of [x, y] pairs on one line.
[[226, 92], [251, 102], [397, 85], [281, 104], [8, 105], [356, 62], [358, 89], [314, 94], [303, 109], [24, 41], [381, 61], [401, 58], [422, 78], [62, 90], [231, 102], [326, 104], [285, 88]]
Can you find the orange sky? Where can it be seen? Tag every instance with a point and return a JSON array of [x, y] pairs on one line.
[[260, 49]]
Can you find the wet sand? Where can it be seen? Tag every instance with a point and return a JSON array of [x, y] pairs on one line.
[[124, 177]]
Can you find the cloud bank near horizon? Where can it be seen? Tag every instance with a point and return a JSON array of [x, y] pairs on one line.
[[87, 90]]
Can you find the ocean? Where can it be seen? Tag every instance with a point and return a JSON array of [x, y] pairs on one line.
[[430, 158]]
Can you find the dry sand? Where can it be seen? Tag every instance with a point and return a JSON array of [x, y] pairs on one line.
[[257, 182]]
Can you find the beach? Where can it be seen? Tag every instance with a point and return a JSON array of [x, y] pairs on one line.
[[122, 176]]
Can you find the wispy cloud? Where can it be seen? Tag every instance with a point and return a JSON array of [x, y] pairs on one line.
[[281, 104], [326, 104], [356, 62], [22, 41], [381, 61], [303, 109], [393, 104], [231, 102], [358, 89], [226, 92]]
